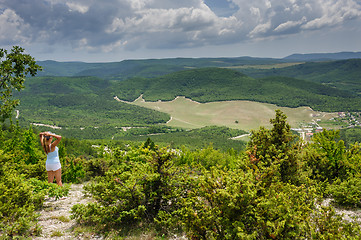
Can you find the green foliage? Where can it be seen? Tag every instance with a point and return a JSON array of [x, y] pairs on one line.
[[48, 189], [14, 67], [81, 107], [23, 150], [208, 157], [96, 167], [351, 135], [218, 137], [263, 194], [85, 107], [56, 234], [79, 103], [219, 205], [77, 147], [273, 153], [72, 169], [30, 146], [326, 156], [133, 190], [326, 224], [17, 205], [347, 192], [285, 211]]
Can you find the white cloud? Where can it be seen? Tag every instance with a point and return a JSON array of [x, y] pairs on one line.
[[77, 7], [12, 28], [290, 25], [334, 13], [274, 17], [255, 12], [260, 29]]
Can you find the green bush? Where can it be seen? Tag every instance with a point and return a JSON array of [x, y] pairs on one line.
[[326, 224], [18, 203], [133, 190], [49, 189], [207, 157], [72, 169], [234, 205], [328, 159], [347, 192]]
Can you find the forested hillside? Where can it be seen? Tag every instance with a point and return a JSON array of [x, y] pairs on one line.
[[342, 74], [84, 108], [217, 84], [79, 102], [87, 103], [82, 102]]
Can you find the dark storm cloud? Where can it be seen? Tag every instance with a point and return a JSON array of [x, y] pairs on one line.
[[130, 24], [55, 21]]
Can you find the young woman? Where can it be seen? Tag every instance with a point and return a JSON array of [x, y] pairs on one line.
[[53, 166]]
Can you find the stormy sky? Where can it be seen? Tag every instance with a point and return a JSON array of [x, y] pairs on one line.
[[114, 30]]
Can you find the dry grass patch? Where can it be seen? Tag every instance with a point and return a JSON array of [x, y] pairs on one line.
[[61, 218], [245, 115]]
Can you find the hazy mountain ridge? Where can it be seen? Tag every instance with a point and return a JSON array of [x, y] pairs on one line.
[[144, 68], [323, 56], [157, 67]]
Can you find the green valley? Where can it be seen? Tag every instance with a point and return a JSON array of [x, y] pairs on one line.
[[101, 100]]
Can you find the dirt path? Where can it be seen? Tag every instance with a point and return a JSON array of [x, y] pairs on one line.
[[55, 217]]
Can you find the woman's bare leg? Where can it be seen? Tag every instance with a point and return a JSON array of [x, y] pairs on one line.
[[58, 177], [51, 175]]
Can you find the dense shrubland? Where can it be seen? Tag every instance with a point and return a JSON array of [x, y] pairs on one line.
[[272, 190]]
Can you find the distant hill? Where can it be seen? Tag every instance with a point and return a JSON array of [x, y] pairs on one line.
[[79, 102], [218, 84], [323, 56], [342, 74], [144, 68], [64, 69], [157, 67]]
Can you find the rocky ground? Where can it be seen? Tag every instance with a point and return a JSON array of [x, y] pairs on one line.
[[55, 216]]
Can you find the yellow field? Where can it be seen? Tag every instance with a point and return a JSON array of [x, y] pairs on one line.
[[189, 114]]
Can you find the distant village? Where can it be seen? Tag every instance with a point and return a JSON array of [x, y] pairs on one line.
[[343, 120]]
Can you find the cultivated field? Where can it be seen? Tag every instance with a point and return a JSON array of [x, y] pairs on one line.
[[244, 115]]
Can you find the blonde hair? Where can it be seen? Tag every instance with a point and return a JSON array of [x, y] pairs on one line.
[[46, 147]]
